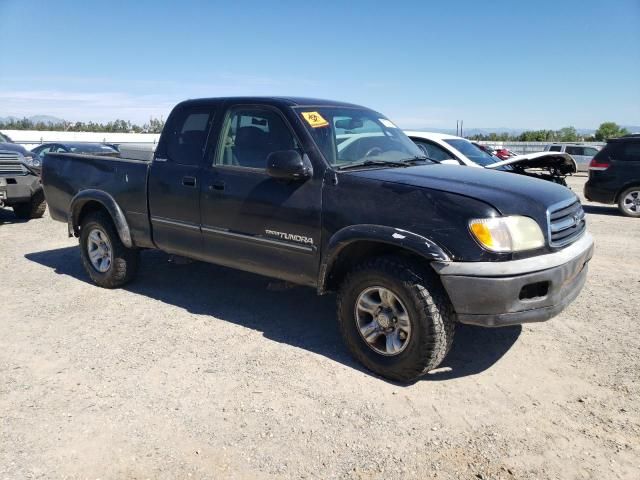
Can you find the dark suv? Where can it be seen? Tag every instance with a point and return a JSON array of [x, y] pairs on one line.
[[614, 175]]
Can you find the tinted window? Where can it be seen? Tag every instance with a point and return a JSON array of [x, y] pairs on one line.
[[91, 149], [555, 148], [630, 151], [434, 152], [590, 151], [42, 151], [188, 135], [249, 135], [574, 150]]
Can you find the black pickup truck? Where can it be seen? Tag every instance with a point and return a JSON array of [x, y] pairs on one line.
[[335, 197]]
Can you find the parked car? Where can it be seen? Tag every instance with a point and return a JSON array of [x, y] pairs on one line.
[[582, 154], [505, 153], [20, 186], [76, 147], [614, 175], [335, 197], [454, 150], [485, 148]]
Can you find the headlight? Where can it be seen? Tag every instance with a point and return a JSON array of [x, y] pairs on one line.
[[507, 234], [32, 161]]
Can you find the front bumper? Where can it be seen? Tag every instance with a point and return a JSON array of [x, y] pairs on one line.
[[494, 294], [18, 189]]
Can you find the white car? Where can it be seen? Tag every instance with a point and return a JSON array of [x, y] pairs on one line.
[[449, 149]]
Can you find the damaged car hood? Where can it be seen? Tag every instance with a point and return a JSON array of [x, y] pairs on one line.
[[563, 162]]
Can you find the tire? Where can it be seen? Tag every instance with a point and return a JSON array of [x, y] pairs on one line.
[[633, 195], [35, 208], [123, 264], [430, 315]]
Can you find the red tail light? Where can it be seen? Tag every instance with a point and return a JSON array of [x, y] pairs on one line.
[[598, 165]]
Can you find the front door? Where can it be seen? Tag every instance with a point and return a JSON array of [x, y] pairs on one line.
[[174, 181], [251, 221]]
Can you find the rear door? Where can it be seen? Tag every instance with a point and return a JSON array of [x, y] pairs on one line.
[[174, 181], [582, 156], [250, 220]]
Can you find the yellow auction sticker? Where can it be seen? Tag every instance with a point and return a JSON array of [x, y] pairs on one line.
[[314, 119]]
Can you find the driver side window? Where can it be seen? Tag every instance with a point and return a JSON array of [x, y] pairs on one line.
[[250, 135], [433, 151]]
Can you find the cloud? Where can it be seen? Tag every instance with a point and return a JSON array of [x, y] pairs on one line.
[[79, 98], [85, 106]]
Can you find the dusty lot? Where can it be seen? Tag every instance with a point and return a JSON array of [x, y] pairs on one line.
[[196, 370]]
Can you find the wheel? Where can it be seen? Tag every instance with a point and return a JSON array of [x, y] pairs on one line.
[[629, 202], [395, 318], [35, 208], [105, 258]]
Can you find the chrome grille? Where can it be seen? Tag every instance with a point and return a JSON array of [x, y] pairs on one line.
[[11, 164], [566, 223]]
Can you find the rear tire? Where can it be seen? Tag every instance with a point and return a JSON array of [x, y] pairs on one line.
[[109, 263], [629, 202], [414, 290], [35, 208]]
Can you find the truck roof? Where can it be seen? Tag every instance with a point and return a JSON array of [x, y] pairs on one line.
[[275, 101]]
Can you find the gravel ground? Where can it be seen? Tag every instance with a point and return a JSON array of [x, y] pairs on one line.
[[199, 371]]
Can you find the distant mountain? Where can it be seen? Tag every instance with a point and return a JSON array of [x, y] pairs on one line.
[[35, 118]]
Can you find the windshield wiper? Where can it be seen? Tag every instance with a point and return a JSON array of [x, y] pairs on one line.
[[367, 163], [418, 158]]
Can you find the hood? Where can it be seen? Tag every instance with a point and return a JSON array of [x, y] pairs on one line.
[[562, 161], [13, 147], [508, 193]]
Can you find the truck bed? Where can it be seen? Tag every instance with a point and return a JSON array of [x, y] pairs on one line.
[[124, 179]]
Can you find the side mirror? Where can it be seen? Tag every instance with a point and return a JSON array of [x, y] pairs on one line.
[[449, 161], [289, 165]]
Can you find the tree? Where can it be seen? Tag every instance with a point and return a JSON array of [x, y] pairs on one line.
[[567, 134], [609, 130]]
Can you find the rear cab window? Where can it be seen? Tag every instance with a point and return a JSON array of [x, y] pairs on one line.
[[187, 136]]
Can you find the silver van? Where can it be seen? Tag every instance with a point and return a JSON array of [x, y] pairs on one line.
[[582, 154]]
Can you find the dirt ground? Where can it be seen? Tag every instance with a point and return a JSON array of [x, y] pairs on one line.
[[199, 371]]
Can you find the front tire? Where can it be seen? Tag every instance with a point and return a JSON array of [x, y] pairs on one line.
[[35, 208], [395, 318], [629, 202], [109, 263]]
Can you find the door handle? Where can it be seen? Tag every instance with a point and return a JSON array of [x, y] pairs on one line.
[[189, 181], [219, 185]]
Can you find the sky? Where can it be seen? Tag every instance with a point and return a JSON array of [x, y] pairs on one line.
[[537, 64]]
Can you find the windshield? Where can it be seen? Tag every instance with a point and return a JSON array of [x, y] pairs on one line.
[[357, 135], [472, 152]]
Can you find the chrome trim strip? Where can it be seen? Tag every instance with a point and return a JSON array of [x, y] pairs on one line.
[[516, 267], [262, 240], [175, 223]]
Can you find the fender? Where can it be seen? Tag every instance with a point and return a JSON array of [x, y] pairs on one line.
[[378, 233], [109, 203]]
